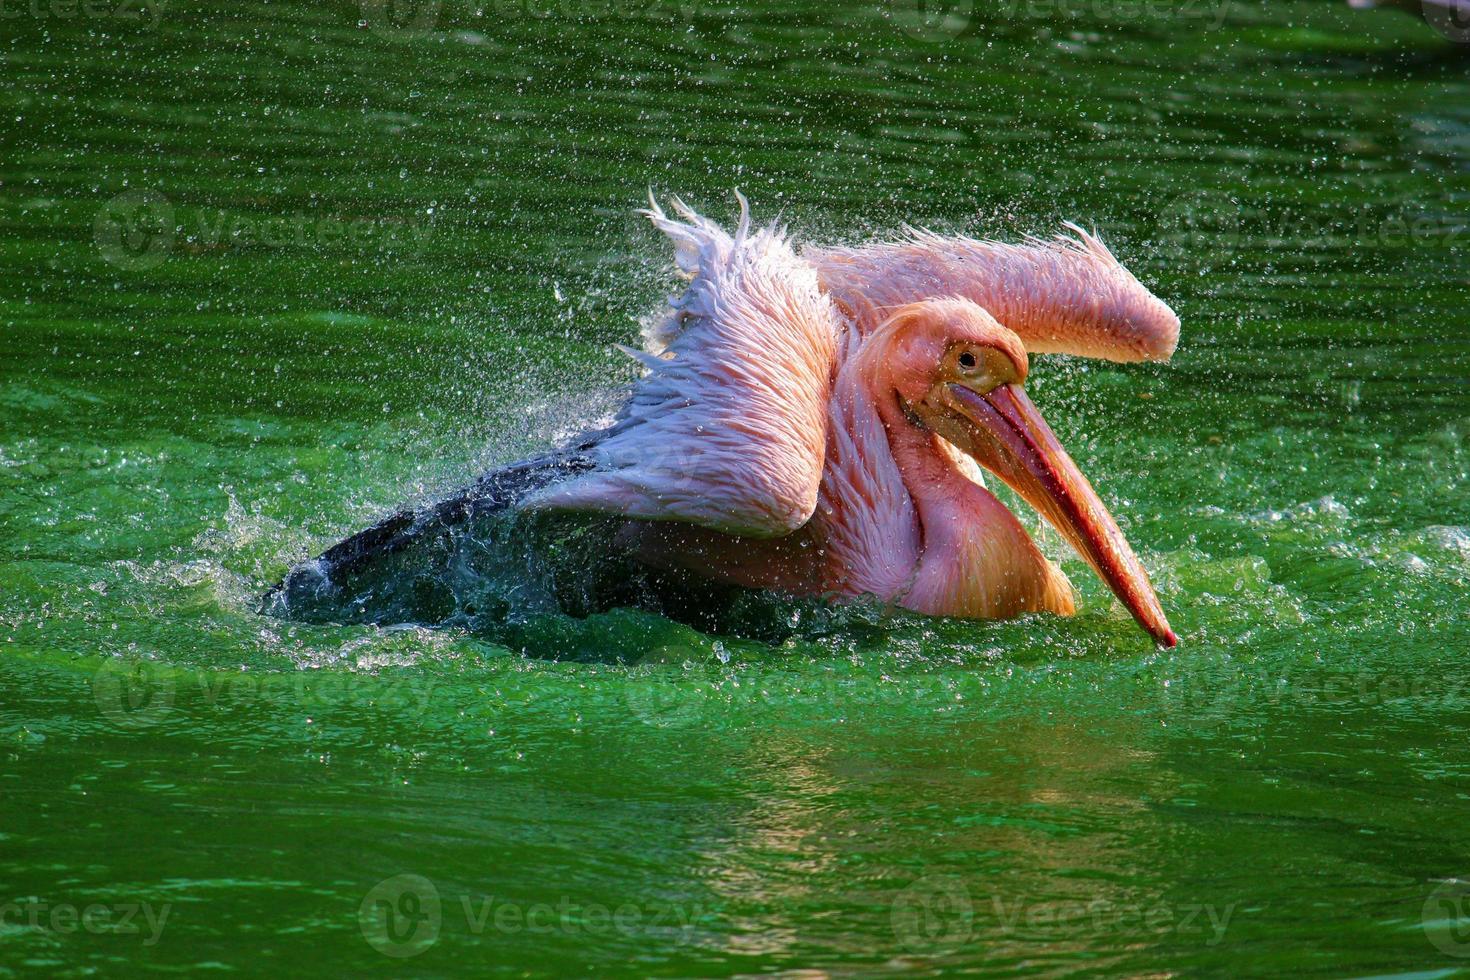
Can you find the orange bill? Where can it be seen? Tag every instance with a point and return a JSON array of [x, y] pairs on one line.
[[1012, 440]]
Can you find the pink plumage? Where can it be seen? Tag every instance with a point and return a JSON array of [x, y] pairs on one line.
[[812, 423], [1068, 295], [728, 427]]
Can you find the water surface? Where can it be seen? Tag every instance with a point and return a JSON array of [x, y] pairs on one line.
[[269, 270]]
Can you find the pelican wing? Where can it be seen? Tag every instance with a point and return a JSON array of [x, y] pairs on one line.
[[1068, 295], [727, 429]]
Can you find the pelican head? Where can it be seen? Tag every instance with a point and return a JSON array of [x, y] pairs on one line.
[[959, 374]]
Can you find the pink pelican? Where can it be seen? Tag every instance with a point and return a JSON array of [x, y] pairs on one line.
[[812, 423]]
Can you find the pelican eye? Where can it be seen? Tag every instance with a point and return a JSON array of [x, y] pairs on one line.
[[968, 361]]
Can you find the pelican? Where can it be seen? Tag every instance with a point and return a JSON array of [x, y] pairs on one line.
[[821, 422]]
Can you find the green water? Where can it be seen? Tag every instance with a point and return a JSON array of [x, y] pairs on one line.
[[269, 270]]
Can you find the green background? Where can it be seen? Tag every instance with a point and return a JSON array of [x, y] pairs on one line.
[[268, 270]]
